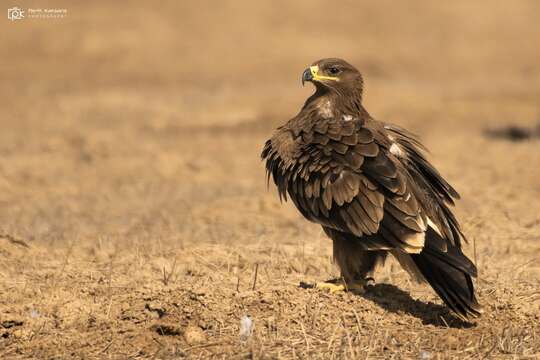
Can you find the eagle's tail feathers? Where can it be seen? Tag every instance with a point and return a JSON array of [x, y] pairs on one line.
[[450, 276]]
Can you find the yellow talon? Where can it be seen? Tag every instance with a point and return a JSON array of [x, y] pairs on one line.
[[332, 288]]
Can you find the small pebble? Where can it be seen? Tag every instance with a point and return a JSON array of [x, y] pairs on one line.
[[194, 335], [246, 327]]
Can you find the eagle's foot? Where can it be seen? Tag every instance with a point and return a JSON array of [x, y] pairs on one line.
[[332, 287], [339, 285]]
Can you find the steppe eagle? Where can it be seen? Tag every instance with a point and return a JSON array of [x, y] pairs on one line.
[[369, 185]]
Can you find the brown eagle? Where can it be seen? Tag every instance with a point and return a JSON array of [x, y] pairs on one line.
[[369, 185]]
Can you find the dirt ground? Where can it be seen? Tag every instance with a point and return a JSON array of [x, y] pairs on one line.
[[134, 216]]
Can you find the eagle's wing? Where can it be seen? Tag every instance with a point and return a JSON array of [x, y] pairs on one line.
[[345, 177], [438, 194]]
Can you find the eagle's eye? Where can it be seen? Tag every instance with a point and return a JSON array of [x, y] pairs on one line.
[[333, 70]]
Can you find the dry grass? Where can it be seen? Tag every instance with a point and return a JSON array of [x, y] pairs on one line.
[[134, 218]]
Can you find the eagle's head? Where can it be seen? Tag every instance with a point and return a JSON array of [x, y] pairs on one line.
[[334, 75]]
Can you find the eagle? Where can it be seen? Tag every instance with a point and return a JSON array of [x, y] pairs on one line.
[[371, 188]]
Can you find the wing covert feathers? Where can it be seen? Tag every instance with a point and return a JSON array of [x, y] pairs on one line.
[[341, 174]]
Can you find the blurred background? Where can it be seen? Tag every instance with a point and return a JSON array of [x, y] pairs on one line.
[[130, 176], [122, 111]]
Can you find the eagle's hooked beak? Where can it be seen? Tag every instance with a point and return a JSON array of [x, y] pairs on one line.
[[312, 74], [306, 76]]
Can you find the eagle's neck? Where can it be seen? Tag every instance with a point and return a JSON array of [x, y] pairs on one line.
[[328, 104]]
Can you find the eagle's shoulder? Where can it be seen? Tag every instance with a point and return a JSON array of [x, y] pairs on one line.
[[281, 153], [286, 144]]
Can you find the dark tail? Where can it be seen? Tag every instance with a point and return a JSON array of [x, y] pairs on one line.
[[449, 274]]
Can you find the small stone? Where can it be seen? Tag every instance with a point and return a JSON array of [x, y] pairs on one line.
[[194, 335], [246, 327], [156, 309]]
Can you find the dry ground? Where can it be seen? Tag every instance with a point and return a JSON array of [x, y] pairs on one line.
[[134, 217]]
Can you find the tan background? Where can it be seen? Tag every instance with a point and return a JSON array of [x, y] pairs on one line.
[[129, 165]]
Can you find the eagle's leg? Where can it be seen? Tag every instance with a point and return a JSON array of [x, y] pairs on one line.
[[357, 264]]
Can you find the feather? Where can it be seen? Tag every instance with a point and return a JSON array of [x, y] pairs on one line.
[[364, 136], [350, 140], [338, 147], [370, 149], [354, 160], [375, 212]]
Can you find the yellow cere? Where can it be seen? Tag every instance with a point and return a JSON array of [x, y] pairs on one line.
[[315, 73]]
